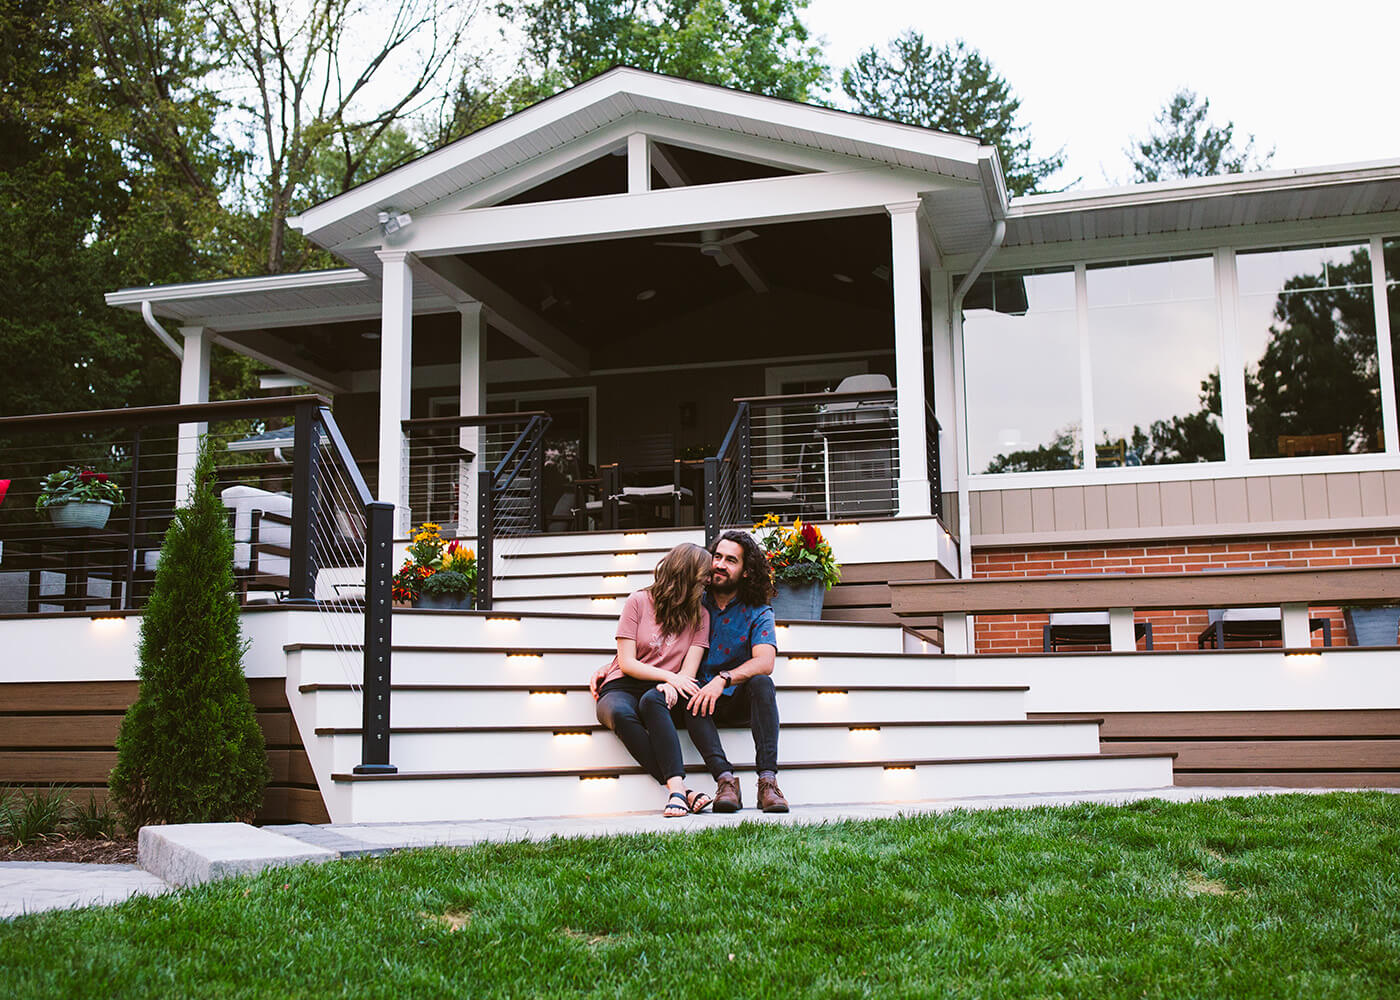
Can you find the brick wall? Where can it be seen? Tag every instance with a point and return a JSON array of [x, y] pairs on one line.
[[1171, 629]]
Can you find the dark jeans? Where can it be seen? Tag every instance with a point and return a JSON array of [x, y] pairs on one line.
[[637, 712], [755, 704]]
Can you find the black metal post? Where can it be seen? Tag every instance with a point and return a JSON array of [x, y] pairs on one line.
[[133, 501], [536, 477], [305, 485], [711, 499], [485, 528], [379, 603], [612, 487], [745, 487]]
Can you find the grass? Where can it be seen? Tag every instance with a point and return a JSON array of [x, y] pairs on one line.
[[1272, 897]]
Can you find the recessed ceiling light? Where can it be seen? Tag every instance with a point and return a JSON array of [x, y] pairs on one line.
[[370, 335], [645, 294], [845, 279]]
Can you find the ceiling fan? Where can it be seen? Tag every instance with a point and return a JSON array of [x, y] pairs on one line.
[[713, 245]]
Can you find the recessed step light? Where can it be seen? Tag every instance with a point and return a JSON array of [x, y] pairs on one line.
[[863, 729], [833, 693], [547, 693], [899, 767], [599, 777], [524, 656]]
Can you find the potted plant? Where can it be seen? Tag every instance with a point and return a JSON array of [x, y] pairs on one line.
[[804, 567], [436, 574], [78, 498]]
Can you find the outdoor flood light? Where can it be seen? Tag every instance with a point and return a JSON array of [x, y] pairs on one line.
[[391, 222]]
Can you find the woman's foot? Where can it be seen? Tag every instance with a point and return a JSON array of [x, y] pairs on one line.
[[698, 801], [676, 806]]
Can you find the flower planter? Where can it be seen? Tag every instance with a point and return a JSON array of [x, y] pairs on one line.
[[445, 602], [81, 513], [799, 601], [1373, 626]]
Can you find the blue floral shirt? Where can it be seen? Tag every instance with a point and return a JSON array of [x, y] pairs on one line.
[[734, 632]]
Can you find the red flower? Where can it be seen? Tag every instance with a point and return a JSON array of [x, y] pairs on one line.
[[101, 477], [810, 536], [86, 475]]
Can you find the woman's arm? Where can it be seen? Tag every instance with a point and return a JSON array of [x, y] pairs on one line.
[[633, 667], [693, 656]]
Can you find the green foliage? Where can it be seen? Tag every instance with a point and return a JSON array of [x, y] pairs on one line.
[[760, 46], [1269, 897], [1183, 143], [952, 89], [33, 815], [93, 819], [447, 582], [75, 486], [190, 749]]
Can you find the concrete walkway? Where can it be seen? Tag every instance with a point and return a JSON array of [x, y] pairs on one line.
[[193, 853]]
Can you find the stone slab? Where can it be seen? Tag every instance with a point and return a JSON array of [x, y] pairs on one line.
[[35, 886], [191, 853]]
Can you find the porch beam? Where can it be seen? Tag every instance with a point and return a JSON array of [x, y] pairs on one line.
[[672, 173], [515, 319], [638, 163], [708, 206], [909, 358], [276, 352]]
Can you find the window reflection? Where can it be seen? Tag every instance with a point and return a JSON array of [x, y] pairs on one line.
[[1155, 350], [1021, 353], [1308, 333], [1391, 256]]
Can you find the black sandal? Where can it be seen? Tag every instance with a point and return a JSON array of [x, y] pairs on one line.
[[675, 810], [698, 801]]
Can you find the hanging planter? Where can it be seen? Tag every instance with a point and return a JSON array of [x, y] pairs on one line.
[[78, 498], [81, 513]]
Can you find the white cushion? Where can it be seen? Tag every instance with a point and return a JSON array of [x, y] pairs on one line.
[[1079, 618], [654, 491], [1249, 615], [243, 500]]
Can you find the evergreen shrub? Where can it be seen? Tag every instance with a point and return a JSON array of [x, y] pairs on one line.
[[190, 750]]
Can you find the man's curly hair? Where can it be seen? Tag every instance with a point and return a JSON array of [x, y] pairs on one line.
[[756, 584]]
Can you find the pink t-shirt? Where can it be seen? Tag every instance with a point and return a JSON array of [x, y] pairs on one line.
[[655, 649]]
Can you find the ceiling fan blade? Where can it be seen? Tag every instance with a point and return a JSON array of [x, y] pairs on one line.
[[688, 246], [722, 260], [747, 234]]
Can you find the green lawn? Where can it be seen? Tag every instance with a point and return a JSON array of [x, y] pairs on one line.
[[1287, 896]]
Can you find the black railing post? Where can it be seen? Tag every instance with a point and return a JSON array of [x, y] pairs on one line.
[[612, 488], [305, 487], [379, 602], [132, 501], [745, 477], [536, 486], [711, 499], [485, 530], [935, 477]]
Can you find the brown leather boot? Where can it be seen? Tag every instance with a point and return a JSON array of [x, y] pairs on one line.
[[770, 796], [727, 798]]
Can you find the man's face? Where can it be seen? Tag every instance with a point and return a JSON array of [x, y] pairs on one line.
[[727, 567]]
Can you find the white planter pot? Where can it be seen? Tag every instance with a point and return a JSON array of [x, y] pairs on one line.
[[81, 513]]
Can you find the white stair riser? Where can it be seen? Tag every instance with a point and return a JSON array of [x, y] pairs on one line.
[[498, 798], [341, 709], [321, 666], [620, 560], [542, 750], [650, 538], [570, 586]]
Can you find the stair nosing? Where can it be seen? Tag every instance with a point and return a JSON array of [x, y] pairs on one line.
[[597, 728], [565, 687]]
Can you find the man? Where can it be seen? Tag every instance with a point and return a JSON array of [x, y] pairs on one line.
[[736, 683]]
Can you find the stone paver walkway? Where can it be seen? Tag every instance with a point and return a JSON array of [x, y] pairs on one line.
[[31, 886]]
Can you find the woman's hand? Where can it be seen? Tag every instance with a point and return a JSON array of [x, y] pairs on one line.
[[684, 684], [669, 692]]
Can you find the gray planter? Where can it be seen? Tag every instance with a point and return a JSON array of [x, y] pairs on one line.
[[81, 513], [1373, 626], [445, 602], [799, 602]]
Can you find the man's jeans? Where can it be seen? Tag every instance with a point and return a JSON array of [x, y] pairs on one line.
[[637, 712], [754, 702]]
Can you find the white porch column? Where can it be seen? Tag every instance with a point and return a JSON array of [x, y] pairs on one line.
[[470, 402], [395, 372], [194, 388], [1122, 632], [638, 163], [909, 359]]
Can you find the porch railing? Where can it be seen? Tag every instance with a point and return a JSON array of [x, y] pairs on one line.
[[510, 474], [306, 531], [827, 455]]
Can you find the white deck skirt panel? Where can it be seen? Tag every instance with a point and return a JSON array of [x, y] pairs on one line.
[[487, 798], [542, 750]]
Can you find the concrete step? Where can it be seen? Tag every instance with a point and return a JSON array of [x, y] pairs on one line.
[[338, 706], [546, 748], [458, 795]]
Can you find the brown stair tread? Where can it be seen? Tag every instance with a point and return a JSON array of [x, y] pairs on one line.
[[596, 728]]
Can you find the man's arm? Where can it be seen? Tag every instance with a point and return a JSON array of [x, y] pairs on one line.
[[703, 701]]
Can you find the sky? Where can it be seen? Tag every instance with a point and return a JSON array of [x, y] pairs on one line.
[[1312, 80]]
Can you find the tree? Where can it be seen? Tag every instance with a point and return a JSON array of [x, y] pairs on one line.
[[1184, 144], [952, 89], [760, 46], [189, 749]]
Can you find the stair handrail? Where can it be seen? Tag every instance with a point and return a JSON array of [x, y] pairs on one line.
[[528, 447], [728, 484]]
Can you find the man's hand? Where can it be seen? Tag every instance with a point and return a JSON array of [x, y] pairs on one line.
[[703, 703]]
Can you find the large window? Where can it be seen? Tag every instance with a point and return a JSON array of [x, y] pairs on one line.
[[1154, 344], [1308, 338], [1021, 354]]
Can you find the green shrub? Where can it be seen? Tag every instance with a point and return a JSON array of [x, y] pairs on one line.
[[37, 815], [190, 750], [93, 820]]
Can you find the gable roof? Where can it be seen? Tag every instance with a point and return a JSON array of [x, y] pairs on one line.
[[613, 96]]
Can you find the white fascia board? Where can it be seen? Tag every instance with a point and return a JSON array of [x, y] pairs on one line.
[[133, 297], [1164, 192], [576, 101], [709, 206], [317, 315]]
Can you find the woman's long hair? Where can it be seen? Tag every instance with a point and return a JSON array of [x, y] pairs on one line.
[[681, 576], [756, 584]]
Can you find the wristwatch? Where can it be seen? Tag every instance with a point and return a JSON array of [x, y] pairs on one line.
[[727, 677]]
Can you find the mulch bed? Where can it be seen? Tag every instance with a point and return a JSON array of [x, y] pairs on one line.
[[97, 850]]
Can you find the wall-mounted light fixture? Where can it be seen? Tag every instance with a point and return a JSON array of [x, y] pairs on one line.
[[390, 222]]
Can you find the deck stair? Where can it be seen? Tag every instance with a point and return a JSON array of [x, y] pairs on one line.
[[492, 717]]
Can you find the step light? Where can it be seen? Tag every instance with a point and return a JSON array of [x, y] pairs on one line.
[[624, 555], [574, 735], [833, 693], [604, 600], [804, 660], [608, 577], [107, 621], [547, 693], [863, 729], [600, 777], [503, 618], [634, 534], [899, 767], [524, 656]]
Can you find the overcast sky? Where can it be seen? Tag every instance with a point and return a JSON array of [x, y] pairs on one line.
[[1314, 80]]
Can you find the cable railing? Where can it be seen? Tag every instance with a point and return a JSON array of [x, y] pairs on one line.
[[306, 531]]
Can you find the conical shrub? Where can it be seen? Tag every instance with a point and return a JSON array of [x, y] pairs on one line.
[[190, 750]]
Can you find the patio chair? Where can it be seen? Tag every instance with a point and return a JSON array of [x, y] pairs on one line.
[[1252, 623], [1085, 628], [262, 538]]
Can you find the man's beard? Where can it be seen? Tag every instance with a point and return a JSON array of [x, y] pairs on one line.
[[729, 586]]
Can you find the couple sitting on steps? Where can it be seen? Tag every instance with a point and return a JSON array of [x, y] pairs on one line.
[[696, 648]]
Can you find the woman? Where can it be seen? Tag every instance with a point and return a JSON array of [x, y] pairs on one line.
[[661, 637]]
